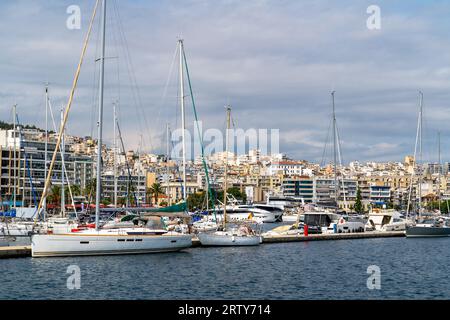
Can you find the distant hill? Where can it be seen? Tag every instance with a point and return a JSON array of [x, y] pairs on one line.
[[9, 126]]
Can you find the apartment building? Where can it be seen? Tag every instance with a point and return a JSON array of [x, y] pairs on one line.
[[22, 158]]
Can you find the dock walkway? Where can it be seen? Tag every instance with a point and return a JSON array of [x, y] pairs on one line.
[[332, 236], [15, 252], [25, 251]]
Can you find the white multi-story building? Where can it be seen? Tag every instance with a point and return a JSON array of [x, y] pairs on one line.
[[292, 168], [23, 166]]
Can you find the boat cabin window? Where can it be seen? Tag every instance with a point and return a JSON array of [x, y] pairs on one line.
[[320, 220], [386, 220], [270, 209]]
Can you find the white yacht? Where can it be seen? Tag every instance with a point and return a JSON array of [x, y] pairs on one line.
[[264, 212], [430, 226], [100, 241], [385, 220], [228, 234], [236, 236], [257, 213], [331, 222], [108, 242], [21, 228], [285, 203]]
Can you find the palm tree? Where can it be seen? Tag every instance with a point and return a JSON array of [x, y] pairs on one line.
[[76, 191], [148, 195], [156, 190], [54, 196], [90, 190]]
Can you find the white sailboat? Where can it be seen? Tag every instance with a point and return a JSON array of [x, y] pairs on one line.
[[227, 235], [102, 241], [424, 227]]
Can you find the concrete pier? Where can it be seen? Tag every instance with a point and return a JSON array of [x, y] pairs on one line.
[[332, 236], [25, 251], [15, 252]]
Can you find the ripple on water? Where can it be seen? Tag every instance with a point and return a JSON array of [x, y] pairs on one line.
[[410, 269]]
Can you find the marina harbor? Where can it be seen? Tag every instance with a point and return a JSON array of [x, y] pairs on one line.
[[25, 251], [200, 151]]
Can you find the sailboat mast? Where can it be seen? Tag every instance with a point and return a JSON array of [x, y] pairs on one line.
[[420, 151], [44, 205], [167, 163], [439, 172], [100, 116], [183, 119], [15, 155], [139, 173], [115, 156], [225, 175], [63, 146], [335, 153]]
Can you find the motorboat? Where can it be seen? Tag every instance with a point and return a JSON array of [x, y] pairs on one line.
[[385, 220], [331, 222], [257, 213], [265, 212]]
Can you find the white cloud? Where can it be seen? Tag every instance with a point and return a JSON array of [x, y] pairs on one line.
[[274, 61]]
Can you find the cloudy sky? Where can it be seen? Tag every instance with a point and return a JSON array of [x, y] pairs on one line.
[[274, 61]]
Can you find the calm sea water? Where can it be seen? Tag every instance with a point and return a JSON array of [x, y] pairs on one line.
[[410, 269]]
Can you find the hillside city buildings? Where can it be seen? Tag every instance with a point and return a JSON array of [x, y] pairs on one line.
[[22, 159]]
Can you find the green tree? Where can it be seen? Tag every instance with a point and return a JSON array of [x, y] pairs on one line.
[[148, 196], [434, 205], [358, 203], [132, 195], [236, 192], [90, 191], [164, 204], [54, 196], [76, 191], [196, 200], [156, 190]]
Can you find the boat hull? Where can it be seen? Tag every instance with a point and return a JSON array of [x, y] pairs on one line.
[[289, 218], [212, 239], [61, 245], [265, 218], [422, 231]]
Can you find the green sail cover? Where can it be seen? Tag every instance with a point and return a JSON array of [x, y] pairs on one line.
[[176, 210], [179, 207], [128, 217]]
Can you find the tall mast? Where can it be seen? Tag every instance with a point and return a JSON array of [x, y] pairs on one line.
[[335, 153], [15, 155], [100, 116], [115, 156], [439, 173], [183, 119], [420, 150], [139, 172], [44, 205], [167, 163], [63, 169], [225, 176]]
